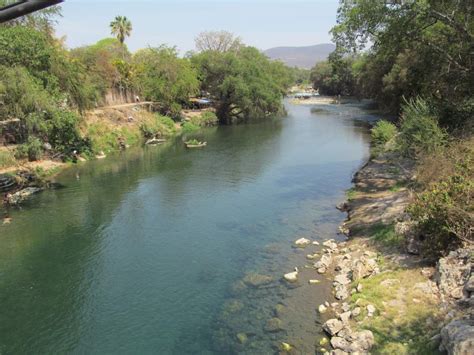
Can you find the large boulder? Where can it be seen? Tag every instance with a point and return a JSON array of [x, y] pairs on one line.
[[453, 272], [333, 326], [457, 337]]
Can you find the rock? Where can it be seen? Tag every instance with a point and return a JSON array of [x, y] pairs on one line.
[[286, 347], [47, 146], [324, 341], [453, 272], [340, 343], [333, 326], [457, 337], [101, 155], [356, 312], [343, 207], [341, 292], [342, 279], [22, 195], [315, 243], [291, 276], [334, 305], [469, 286], [242, 338], [407, 229], [345, 316], [273, 325], [323, 263], [314, 282], [364, 341], [363, 267], [321, 270], [359, 288], [345, 307], [370, 310], [257, 280], [280, 310], [332, 245], [322, 308], [312, 256], [302, 243]]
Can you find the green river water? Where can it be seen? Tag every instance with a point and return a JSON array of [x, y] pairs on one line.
[[144, 252]]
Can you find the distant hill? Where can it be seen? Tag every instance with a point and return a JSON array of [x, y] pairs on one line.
[[302, 57]]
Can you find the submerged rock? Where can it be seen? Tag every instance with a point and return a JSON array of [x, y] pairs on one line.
[[242, 338], [22, 195], [257, 280], [273, 325], [302, 243]]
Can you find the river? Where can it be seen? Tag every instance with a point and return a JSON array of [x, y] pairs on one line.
[[144, 252]]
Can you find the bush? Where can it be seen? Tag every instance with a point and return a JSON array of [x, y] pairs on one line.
[[444, 212], [189, 127], [419, 130], [6, 158], [382, 132], [32, 149], [205, 119], [159, 126]]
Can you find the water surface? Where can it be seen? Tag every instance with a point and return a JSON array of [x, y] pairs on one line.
[[143, 252]]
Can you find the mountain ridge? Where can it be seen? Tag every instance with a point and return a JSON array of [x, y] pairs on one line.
[[301, 56]]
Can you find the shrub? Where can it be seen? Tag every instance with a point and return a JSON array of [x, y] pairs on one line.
[[189, 127], [7, 158], [158, 126], [382, 132], [419, 129], [205, 119], [444, 212], [32, 149]]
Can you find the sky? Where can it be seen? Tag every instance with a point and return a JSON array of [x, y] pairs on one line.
[[260, 23]]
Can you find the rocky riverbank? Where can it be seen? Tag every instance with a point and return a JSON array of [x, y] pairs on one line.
[[388, 299]]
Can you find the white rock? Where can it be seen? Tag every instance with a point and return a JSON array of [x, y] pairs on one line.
[[322, 308], [370, 310], [345, 316], [314, 282], [302, 242], [315, 243], [291, 276]]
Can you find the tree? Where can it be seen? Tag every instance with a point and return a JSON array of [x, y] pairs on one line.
[[160, 75], [121, 27], [43, 20], [219, 41], [418, 48], [243, 83]]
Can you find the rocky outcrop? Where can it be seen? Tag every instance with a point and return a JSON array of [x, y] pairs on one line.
[[20, 196], [457, 337], [453, 273], [343, 339]]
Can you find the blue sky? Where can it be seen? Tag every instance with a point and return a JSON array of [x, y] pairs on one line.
[[260, 23]]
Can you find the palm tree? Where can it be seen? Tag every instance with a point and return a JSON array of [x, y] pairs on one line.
[[121, 27]]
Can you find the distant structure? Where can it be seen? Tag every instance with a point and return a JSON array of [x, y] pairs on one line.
[[25, 7]]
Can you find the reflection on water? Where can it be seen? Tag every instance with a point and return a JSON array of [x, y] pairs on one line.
[[152, 250]]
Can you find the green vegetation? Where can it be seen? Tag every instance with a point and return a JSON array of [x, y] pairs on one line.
[[419, 130], [403, 310], [50, 88], [385, 235], [383, 132], [242, 82]]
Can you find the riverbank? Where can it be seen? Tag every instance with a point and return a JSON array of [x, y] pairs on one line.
[[109, 130], [388, 298]]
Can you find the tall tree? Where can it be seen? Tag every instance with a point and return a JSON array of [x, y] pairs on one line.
[[218, 41], [121, 27]]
